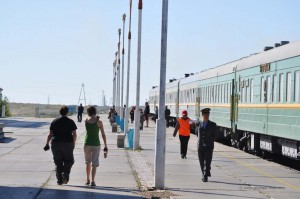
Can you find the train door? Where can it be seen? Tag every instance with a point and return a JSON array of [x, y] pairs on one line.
[[234, 98]]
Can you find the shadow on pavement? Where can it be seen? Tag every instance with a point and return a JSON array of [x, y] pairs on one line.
[[20, 123], [106, 188], [40, 193], [7, 140]]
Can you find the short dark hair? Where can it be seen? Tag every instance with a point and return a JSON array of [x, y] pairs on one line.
[[91, 110], [64, 110]]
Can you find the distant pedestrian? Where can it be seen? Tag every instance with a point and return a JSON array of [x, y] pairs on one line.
[[146, 113], [92, 144], [167, 116], [142, 119], [132, 114], [206, 137], [63, 137], [124, 110], [156, 114], [183, 125], [80, 112], [112, 115]]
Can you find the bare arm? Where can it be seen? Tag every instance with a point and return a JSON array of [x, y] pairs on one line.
[[74, 136], [100, 125], [176, 129], [49, 137]]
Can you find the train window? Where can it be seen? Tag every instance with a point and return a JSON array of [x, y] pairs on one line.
[[224, 93], [245, 93], [296, 88], [274, 89], [268, 89], [221, 93], [262, 82], [288, 87], [281, 88]]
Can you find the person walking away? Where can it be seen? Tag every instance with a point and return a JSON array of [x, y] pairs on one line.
[[142, 119], [63, 137], [132, 114], [167, 116], [156, 114], [92, 144], [206, 137], [183, 126], [80, 112], [112, 115], [146, 113]]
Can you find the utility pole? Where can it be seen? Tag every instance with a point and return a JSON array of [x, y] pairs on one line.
[[123, 52], [128, 71], [115, 80], [160, 146], [119, 82], [82, 99], [136, 144]]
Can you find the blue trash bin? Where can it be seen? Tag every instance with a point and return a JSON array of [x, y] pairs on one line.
[[122, 125], [118, 120], [130, 138]]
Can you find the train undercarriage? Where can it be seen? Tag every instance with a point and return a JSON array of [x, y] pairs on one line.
[[259, 144]]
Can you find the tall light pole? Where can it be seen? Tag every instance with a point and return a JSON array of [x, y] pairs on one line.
[[115, 80], [160, 146], [136, 144], [123, 52], [128, 71], [118, 65]]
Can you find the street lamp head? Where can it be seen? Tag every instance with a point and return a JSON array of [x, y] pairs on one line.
[[124, 17]]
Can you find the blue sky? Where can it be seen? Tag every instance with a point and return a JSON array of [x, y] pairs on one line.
[[50, 47]]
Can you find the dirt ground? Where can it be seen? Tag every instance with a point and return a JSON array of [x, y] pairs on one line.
[[45, 110]]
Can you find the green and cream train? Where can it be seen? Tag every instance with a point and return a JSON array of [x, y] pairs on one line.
[[255, 100]]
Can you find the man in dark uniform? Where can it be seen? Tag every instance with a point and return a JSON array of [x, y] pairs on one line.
[[80, 111], [63, 137], [206, 137], [167, 116]]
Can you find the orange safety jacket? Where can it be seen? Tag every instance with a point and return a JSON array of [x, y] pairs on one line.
[[184, 128]]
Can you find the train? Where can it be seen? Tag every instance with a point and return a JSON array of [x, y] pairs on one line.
[[254, 100]]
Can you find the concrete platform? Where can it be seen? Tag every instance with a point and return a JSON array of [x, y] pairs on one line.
[[26, 171]]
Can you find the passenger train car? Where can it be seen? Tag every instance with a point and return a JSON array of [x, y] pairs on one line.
[[255, 100]]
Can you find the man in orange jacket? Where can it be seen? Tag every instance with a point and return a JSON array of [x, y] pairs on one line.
[[183, 126]]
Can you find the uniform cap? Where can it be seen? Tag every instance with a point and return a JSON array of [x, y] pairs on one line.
[[205, 110], [184, 113]]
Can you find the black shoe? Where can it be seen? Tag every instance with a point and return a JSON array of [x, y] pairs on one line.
[[65, 178], [204, 179], [59, 182]]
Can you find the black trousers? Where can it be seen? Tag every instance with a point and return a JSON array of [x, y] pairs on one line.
[[63, 157], [184, 140], [205, 156], [79, 117]]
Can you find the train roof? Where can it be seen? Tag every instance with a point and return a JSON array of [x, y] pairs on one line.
[[279, 53], [282, 52]]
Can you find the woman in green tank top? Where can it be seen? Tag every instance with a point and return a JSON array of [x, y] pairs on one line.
[[92, 144]]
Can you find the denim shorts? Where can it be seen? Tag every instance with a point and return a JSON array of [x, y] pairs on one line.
[[91, 154]]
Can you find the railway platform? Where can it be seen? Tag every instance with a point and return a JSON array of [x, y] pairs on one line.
[[27, 171]]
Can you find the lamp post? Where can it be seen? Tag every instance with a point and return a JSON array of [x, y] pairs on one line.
[[136, 144], [128, 71], [114, 81], [123, 52], [118, 66], [160, 146]]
